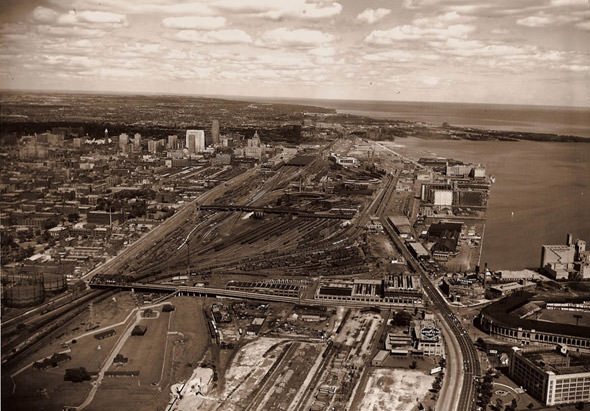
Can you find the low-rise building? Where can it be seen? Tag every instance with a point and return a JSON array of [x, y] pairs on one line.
[[502, 290], [427, 338]]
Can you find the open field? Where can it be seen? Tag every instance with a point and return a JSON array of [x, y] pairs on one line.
[[394, 389], [565, 317], [45, 390], [88, 352], [146, 353], [158, 361]]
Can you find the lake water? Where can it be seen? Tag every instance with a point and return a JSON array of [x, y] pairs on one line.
[[541, 119], [545, 185]]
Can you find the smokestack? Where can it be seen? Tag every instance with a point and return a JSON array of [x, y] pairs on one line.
[[570, 239]]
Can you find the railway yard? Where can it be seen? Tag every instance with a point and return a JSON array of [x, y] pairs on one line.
[[163, 323]]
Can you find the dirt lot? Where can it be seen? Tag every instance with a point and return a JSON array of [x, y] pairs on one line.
[[246, 372], [394, 389]]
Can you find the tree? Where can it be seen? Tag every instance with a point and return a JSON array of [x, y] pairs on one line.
[[73, 217], [499, 403], [514, 404], [413, 365]]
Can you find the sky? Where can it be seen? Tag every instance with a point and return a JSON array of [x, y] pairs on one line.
[[492, 51]]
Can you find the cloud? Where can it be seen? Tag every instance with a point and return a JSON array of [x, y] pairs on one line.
[[544, 20], [323, 51], [430, 80], [569, 3], [44, 14], [371, 16], [101, 17], [70, 31], [401, 56], [87, 19], [278, 9], [283, 37], [412, 32], [443, 20], [194, 22], [416, 4], [230, 36], [584, 25]]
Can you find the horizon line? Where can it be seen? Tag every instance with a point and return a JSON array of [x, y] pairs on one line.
[[247, 97]]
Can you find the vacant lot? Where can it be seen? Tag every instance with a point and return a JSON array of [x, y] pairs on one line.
[[394, 389]]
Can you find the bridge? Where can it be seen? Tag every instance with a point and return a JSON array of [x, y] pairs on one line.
[[197, 291], [280, 210]]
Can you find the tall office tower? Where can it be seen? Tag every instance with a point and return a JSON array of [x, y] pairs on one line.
[[123, 141], [152, 146], [195, 141], [215, 131], [172, 142], [137, 141]]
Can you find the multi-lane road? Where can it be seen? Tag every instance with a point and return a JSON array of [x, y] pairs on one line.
[[459, 337]]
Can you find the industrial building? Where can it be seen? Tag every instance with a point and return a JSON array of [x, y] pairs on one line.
[[566, 261], [458, 287], [552, 377], [505, 289], [445, 236], [401, 225], [394, 289]]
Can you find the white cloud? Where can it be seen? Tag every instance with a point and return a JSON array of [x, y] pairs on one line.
[[411, 32], [70, 31], [401, 56], [430, 80], [101, 17], [443, 20], [277, 9], [500, 31], [194, 22], [230, 36], [371, 16], [416, 4], [323, 51], [283, 37], [569, 2], [44, 14]]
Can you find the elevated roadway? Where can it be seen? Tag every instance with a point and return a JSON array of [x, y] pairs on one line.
[[196, 291]]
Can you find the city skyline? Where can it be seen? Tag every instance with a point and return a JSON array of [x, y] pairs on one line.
[[396, 51]]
